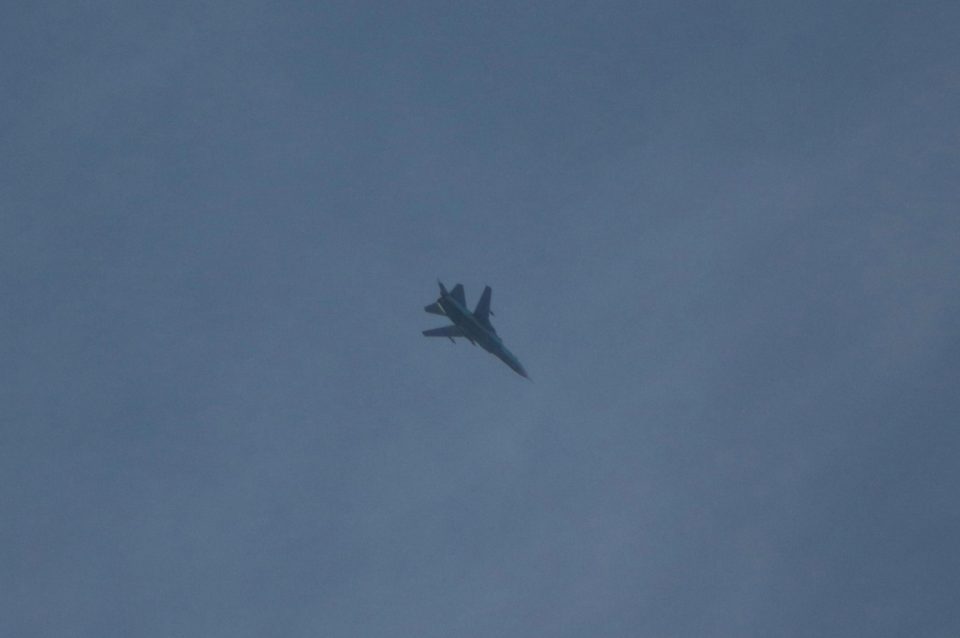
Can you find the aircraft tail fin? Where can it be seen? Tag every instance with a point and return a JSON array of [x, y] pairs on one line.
[[458, 294], [434, 309]]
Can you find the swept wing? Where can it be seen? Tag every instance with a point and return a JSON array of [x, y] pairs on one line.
[[446, 331], [482, 311]]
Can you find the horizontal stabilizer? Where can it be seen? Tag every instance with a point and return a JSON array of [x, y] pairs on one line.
[[434, 309], [447, 331]]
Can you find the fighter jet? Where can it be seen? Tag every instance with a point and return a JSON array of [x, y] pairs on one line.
[[473, 326]]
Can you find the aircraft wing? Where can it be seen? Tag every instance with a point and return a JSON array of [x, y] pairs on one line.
[[482, 311], [447, 331]]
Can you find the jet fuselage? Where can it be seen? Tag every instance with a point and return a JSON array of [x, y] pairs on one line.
[[476, 331]]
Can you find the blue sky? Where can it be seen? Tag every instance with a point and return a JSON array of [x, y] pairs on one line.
[[724, 241]]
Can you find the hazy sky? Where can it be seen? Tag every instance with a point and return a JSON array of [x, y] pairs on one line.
[[723, 238]]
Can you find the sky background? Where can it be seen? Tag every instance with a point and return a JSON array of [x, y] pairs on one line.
[[723, 238]]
